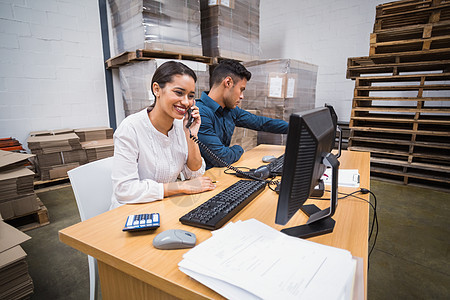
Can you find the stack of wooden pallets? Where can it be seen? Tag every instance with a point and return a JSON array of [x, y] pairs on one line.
[[401, 111]]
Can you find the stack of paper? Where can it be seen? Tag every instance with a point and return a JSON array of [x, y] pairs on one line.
[[250, 260]]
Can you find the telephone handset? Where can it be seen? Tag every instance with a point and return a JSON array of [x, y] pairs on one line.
[[190, 118]]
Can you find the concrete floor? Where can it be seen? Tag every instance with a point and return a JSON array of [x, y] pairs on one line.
[[411, 259]]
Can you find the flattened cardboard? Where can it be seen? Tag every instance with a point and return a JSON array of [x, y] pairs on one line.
[[9, 158], [10, 236], [11, 255]]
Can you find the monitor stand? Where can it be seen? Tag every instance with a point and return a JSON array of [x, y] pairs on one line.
[[321, 221], [318, 190], [320, 227]]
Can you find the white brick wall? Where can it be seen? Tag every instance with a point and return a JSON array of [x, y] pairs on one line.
[[324, 33], [51, 66]]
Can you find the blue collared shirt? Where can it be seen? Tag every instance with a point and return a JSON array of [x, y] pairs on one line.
[[218, 125]]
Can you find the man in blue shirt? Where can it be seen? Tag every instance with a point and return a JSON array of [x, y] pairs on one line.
[[220, 113]]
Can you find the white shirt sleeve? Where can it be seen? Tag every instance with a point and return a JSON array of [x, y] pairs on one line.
[[189, 174], [127, 185]]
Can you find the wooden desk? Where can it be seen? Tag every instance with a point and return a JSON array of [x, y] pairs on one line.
[[131, 268]]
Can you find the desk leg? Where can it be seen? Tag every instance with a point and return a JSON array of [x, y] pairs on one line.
[[116, 284]]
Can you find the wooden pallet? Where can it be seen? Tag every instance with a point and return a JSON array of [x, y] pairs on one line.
[[408, 136], [143, 55], [410, 12], [396, 63], [32, 220], [424, 174], [39, 185], [410, 38]]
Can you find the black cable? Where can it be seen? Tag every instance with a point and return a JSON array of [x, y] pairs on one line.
[[227, 171], [375, 216], [374, 207], [221, 161], [273, 182]]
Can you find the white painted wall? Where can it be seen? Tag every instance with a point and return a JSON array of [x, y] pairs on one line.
[[321, 32], [51, 63], [51, 66]]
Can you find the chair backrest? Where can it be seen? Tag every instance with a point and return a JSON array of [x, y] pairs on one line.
[[92, 186]]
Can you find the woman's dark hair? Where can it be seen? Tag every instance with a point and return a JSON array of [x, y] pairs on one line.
[[229, 67], [165, 72]]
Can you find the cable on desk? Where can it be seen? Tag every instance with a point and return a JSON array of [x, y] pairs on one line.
[[228, 171], [275, 183], [374, 207]]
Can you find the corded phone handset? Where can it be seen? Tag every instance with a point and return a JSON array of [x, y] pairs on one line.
[[263, 172], [190, 118]]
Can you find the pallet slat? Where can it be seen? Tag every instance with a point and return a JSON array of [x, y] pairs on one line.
[[142, 55], [32, 220]]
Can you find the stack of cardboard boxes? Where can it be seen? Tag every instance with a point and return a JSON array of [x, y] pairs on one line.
[[17, 197], [15, 281], [97, 142], [135, 81], [278, 88], [230, 29], [244, 137], [160, 25], [57, 152]]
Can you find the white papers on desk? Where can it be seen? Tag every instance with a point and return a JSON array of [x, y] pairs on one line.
[[347, 177], [250, 260]]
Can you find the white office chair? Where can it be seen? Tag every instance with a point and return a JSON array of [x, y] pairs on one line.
[[92, 186]]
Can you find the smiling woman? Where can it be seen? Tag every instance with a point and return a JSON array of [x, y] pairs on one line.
[[152, 147]]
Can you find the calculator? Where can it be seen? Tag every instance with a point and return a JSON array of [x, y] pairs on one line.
[[142, 222]]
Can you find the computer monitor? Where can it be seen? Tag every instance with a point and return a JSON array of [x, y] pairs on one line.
[[310, 139]]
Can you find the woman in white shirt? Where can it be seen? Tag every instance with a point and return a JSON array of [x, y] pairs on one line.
[[152, 147]]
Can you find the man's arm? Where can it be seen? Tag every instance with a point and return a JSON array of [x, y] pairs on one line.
[[208, 136], [259, 123]]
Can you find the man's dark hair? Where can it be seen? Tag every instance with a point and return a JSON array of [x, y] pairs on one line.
[[229, 67]]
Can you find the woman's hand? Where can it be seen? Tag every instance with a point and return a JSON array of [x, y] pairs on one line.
[[197, 121], [197, 185], [192, 186]]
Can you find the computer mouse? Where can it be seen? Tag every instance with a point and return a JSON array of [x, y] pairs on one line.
[[268, 158], [174, 239]]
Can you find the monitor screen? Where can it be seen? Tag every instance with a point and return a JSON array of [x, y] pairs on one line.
[[310, 140]]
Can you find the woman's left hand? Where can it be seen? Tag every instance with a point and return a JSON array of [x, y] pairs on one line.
[[195, 126]]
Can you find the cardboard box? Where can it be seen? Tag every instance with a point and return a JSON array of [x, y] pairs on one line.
[[51, 132], [245, 137], [135, 80], [44, 144], [278, 88], [19, 206], [64, 157], [96, 150], [94, 133], [230, 29], [16, 282], [169, 25], [16, 182], [11, 160]]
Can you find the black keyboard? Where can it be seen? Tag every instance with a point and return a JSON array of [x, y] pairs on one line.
[[218, 210], [276, 166]]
